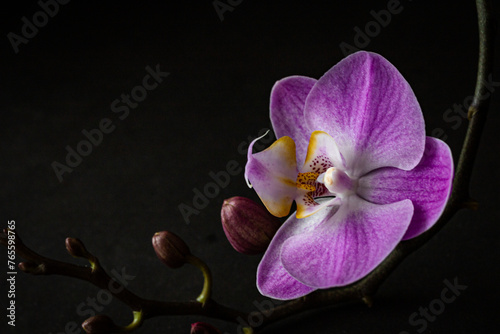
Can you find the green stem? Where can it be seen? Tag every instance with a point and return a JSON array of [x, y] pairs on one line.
[[138, 318], [207, 275]]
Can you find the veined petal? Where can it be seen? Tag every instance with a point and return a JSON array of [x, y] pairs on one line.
[[428, 186], [272, 279], [371, 112], [347, 245], [273, 173], [288, 98]]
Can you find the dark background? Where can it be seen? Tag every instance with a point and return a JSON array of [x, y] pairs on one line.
[[216, 96]]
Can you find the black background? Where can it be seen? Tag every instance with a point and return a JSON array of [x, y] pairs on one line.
[[216, 97]]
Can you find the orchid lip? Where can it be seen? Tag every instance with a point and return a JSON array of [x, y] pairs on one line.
[[306, 181]]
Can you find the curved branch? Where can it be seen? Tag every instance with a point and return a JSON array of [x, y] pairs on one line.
[[40, 265]]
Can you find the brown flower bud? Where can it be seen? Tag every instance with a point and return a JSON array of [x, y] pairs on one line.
[[249, 227], [31, 267], [170, 249], [76, 248], [203, 328], [100, 324]]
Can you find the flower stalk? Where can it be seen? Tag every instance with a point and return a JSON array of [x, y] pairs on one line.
[[136, 322], [207, 278]]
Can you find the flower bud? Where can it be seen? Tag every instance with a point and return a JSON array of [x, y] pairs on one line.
[[170, 249], [100, 324], [31, 267], [203, 328], [249, 227], [76, 248]]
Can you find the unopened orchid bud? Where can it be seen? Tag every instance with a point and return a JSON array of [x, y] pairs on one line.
[[31, 267], [203, 328], [170, 249], [100, 324], [76, 248], [249, 227]]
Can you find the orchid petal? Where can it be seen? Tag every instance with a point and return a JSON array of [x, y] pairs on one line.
[[371, 112], [272, 278], [288, 98], [347, 245], [428, 186], [273, 173]]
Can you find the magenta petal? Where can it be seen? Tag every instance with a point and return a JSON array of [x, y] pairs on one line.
[[428, 186], [288, 98], [272, 279], [349, 245], [371, 112]]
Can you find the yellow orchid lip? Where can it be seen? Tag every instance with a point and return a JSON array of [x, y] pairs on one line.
[[306, 181], [277, 179]]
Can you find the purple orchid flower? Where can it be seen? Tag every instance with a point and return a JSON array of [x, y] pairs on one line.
[[352, 153]]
